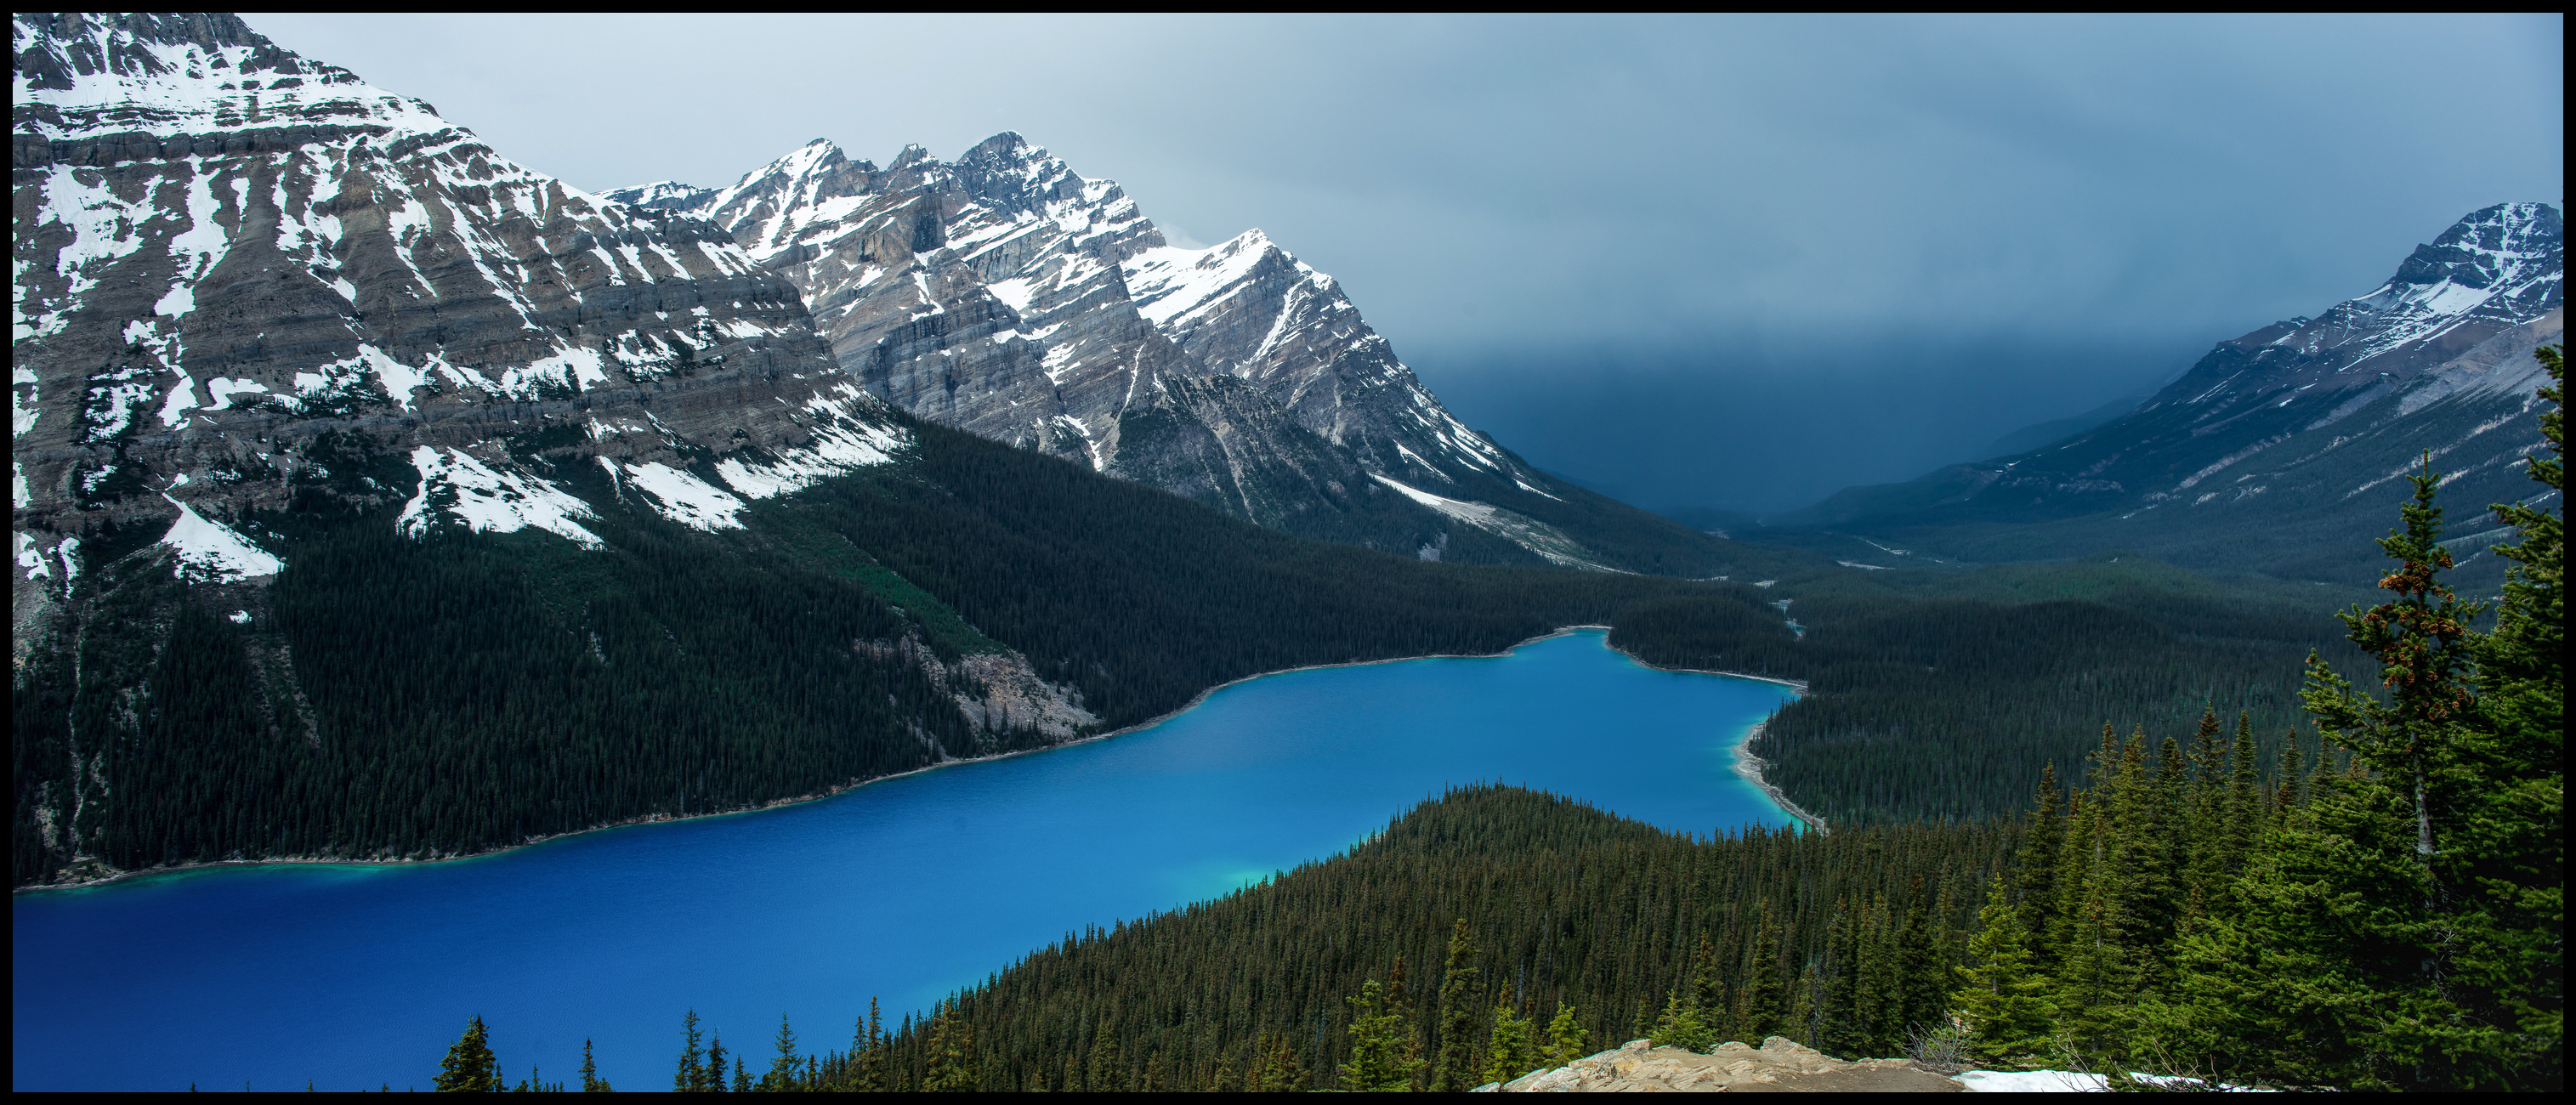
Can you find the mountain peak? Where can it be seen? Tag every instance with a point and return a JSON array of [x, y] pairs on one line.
[[2487, 247], [913, 154], [81, 76], [1006, 146]]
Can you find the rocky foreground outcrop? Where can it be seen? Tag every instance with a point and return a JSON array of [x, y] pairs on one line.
[[1780, 1065]]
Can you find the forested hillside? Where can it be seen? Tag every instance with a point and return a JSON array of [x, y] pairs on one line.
[[395, 695], [457, 692], [1941, 695]]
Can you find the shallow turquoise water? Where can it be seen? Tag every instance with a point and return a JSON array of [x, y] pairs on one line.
[[355, 976]]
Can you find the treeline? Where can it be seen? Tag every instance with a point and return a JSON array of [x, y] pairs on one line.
[[1940, 706]]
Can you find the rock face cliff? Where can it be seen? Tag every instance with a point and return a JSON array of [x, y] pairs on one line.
[[245, 279], [1006, 295], [2282, 449]]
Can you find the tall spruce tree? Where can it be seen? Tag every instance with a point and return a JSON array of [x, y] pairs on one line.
[[2506, 860], [1382, 1058], [2003, 1003], [591, 1082], [1756, 1011], [470, 1066], [692, 1075], [1455, 1069], [868, 1050], [782, 1072], [1511, 1050], [1566, 1037]]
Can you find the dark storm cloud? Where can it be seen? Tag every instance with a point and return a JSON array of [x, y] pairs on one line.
[[1855, 246]]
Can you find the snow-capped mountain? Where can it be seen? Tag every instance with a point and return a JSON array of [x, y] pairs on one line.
[[2295, 430], [1006, 295], [242, 278]]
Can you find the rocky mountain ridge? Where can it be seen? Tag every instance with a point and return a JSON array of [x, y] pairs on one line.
[[2278, 438], [249, 285], [1004, 294]]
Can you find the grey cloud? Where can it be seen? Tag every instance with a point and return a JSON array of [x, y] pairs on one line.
[[1755, 207]]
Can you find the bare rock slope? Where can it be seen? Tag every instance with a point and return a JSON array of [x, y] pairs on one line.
[[1004, 294], [1780, 1065]]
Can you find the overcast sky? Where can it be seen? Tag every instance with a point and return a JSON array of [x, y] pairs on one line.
[[1727, 261]]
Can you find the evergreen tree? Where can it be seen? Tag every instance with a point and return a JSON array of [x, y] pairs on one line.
[[2035, 879], [870, 1050], [741, 1076], [470, 1066], [1381, 1059], [1756, 1013], [781, 1075], [2004, 1002], [1707, 983], [713, 1080], [2095, 975], [1108, 1073], [2244, 800], [591, 1082], [1924, 973], [952, 1053], [1566, 1037], [692, 1075], [2506, 859], [1682, 1025], [1512, 1049], [1455, 1069], [1281, 1070]]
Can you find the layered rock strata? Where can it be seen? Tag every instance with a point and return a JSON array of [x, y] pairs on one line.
[[1004, 294], [243, 278]]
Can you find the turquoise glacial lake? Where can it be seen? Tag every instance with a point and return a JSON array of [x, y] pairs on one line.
[[353, 977]]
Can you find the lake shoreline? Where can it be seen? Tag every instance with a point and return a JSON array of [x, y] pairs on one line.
[[1744, 760], [1746, 763]]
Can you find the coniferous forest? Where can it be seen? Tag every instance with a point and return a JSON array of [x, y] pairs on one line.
[[2374, 900], [462, 692]]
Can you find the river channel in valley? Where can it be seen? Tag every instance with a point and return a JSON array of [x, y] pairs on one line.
[[354, 976]]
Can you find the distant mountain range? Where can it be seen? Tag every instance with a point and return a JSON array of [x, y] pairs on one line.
[[1004, 294], [2281, 450]]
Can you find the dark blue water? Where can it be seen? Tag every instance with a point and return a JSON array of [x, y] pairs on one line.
[[352, 977]]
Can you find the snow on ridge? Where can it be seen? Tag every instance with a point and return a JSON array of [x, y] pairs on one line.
[[183, 87], [488, 500], [211, 551], [1169, 283], [684, 498], [844, 441]]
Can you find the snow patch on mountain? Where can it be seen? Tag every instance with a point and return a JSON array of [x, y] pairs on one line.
[[212, 551], [1529, 533], [684, 498], [490, 500]]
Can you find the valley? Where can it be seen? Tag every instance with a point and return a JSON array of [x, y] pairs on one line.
[[939, 592], [906, 888]]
